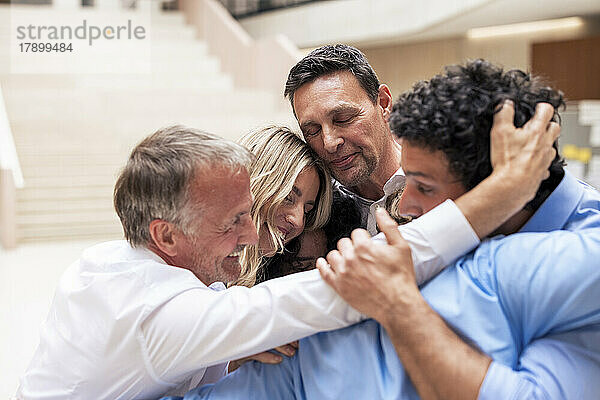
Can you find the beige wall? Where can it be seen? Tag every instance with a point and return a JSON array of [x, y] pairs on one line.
[[401, 65]]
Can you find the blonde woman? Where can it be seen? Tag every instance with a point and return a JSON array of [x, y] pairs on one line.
[[292, 194]]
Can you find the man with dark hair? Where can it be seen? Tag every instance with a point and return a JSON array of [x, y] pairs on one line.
[[517, 318], [461, 100], [343, 112]]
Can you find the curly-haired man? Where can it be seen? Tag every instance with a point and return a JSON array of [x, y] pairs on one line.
[[343, 112], [517, 318]]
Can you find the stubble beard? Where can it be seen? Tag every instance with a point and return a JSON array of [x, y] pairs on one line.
[[209, 271], [358, 173]]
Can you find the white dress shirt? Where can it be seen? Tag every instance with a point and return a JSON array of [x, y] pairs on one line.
[[125, 325]]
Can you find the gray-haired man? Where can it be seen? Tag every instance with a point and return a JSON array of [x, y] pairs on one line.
[[146, 317]]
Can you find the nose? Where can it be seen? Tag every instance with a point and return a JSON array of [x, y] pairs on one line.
[[409, 204], [331, 141], [249, 234], [295, 217]]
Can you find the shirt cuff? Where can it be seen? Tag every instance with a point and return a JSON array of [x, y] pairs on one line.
[[448, 232], [501, 382]]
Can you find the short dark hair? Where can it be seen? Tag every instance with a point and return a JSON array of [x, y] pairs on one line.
[[329, 59], [453, 112]]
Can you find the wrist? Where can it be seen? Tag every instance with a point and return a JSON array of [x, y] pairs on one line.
[[516, 185], [508, 189], [403, 313]]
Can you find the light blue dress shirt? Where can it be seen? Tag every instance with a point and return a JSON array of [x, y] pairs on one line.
[[531, 301]]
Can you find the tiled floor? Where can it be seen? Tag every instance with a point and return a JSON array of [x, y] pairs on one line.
[[28, 277]]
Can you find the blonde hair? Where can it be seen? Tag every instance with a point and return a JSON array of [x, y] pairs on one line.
[[280, 157]]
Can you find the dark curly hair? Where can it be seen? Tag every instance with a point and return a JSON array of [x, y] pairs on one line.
[[329, 59], [454, 112]]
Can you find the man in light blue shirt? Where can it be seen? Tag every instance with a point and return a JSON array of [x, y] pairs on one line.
[[521, 314]]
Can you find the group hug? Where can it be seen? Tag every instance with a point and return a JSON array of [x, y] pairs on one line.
[[429, 246]]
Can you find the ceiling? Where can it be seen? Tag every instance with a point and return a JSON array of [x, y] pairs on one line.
[[378, 22]]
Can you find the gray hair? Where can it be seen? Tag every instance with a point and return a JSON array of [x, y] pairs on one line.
[[154, 183]]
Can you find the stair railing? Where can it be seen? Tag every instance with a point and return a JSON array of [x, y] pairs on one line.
[[11, 178]]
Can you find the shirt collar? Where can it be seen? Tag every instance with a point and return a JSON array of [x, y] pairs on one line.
[[394, 183], [217, 286], [555, 211], [391, 186]]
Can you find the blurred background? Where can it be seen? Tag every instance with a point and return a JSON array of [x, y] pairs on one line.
[[68, 119]]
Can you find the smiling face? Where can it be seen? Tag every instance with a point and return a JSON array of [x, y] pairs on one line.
[[429, 181], [220, 228], [290, 216], [344, 127]]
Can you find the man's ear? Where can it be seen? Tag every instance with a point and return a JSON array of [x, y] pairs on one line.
[[164, 236], [384, 100]]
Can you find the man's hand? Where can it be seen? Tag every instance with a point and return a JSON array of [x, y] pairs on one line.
[[520, 159], [266, 357], [523, 155], [374, 278], [378, 280]]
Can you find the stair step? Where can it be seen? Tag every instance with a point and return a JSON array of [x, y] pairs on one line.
[[74, 132], [65, 217], [59, 181], [118, 133], [141, 103], [201, 81], [211, 83], [171, 33], [89, 204], [103, 230], [40, 194]]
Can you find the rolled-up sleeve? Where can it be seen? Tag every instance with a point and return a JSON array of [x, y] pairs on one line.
[[552, 305], [565, 366]]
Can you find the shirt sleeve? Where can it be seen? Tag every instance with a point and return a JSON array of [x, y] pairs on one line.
[[202, 327], [550, 290], [549, 368], [552, 305], [436, 239]]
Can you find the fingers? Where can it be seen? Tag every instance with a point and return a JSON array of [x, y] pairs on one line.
[[286, 349], [554, 131], [267, 358], [389, 227], [345, 247], [336, 261], [360, 236], [506, 115], [542, 117], [325, 271]]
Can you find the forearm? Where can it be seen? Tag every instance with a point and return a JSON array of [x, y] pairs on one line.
[[439, 363], [201, 328], [520, 158], [492, 202]]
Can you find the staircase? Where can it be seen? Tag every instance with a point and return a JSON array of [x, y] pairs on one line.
[[74, 132]]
